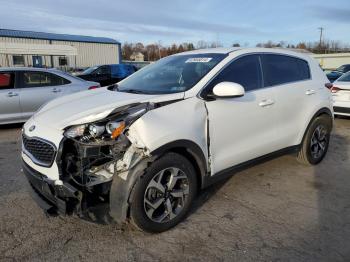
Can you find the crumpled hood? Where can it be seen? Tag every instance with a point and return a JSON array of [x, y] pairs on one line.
[[91, 105]]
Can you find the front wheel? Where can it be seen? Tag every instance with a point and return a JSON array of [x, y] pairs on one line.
[[315, 143], [163, 196]]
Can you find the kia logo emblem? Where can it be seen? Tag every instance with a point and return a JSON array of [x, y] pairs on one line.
[[31, 128]]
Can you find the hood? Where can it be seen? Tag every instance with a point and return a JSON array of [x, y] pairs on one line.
[[91, 105]]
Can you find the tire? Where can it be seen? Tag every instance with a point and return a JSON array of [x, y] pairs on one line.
[[316, 141], [159, 201]]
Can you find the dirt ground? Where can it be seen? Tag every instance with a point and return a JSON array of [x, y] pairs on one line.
[[276, 211]]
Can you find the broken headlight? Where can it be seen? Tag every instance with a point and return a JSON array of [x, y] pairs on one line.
[[111, 127]]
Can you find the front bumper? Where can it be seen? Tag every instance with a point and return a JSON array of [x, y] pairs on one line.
[[338, 110], [55, 199]]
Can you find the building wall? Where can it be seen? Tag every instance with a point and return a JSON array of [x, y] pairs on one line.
[[332, 61], [89, 54]]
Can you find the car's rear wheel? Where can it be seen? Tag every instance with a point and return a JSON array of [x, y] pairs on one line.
[[316, 140], [163, 196]]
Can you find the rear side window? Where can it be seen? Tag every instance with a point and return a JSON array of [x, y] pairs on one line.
[[244, 71], [42, 79], [103, 70], [281, 69], [7, 80]]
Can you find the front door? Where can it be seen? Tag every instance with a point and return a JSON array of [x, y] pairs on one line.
[[10, 110], [242, 128]]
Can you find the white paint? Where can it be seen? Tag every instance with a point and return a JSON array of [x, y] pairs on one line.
[[240, 129]]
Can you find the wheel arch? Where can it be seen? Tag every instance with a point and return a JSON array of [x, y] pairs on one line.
[[121, 192], [191, 151], [322, 111]]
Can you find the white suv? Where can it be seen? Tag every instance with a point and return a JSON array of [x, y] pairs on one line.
[[140, 150]]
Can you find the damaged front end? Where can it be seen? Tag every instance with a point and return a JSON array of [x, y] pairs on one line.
[[92, 155]]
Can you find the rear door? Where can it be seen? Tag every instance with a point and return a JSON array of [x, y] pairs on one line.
[[295, 94], [37, 88], [103, 75], [10, 110]]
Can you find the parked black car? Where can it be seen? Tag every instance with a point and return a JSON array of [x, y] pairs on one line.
[[334, 75], [107, 74]]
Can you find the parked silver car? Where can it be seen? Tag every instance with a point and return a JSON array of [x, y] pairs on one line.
[[24, 90]]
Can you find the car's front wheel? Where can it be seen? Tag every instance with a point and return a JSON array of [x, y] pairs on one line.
[[163, 196], [315, 143]]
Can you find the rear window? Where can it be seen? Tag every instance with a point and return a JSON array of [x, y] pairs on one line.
[[7, 80], [281, 69]]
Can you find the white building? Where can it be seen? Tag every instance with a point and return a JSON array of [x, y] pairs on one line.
[[332, 61], [137, 56], [27, 48]]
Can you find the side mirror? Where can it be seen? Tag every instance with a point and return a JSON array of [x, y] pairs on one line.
[[228, 90]]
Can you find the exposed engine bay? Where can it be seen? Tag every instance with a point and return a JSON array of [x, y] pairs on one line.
[[92, 154]]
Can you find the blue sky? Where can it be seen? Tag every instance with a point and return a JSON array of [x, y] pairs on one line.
[[246, 22]]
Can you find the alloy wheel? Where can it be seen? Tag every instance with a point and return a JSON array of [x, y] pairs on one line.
[[319, 142], [166, 195]]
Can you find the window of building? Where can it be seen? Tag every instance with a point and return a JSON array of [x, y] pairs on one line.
[[18, 60], [62, 61]]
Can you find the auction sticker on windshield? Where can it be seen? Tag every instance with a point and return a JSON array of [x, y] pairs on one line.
[[198, 60]]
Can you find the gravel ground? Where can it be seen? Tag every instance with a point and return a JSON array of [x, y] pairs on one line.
[[276, 211]]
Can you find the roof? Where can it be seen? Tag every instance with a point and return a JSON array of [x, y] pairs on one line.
[[23, 68], [247, 50], [219, 50], [58, 37]]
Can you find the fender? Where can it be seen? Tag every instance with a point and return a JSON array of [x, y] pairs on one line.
[[321, 111], [121, 189], [190, 150]]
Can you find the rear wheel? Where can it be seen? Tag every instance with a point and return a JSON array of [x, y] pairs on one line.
[[315, 143], [164, 194]]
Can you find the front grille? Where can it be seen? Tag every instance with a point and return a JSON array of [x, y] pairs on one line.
[[39, 151]]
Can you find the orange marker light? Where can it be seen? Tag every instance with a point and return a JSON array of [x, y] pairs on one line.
[[117, 131]]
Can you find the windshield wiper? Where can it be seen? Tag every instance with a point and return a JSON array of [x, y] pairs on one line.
[[133, 91]]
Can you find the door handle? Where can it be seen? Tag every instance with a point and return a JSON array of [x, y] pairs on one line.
[[310, 92], [266, 102], [11, 94], [55, 90]]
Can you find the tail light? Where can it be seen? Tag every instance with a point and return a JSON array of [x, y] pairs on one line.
[[332, 88], [93, 87], [335, 89], [328, 85]]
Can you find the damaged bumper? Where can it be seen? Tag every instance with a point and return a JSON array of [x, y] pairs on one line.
[[54, 199]]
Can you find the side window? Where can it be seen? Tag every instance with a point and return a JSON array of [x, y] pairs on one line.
[[102, 70], [7, 80], [245, 71], [116, 70], [281, 69], [42, 79]]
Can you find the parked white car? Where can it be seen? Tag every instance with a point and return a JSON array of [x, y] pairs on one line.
[[24, 90], [341, 95], [140, 150]]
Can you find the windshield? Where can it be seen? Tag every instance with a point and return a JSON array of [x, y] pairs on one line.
[[172, 74], [89, 70], [344, 78]]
